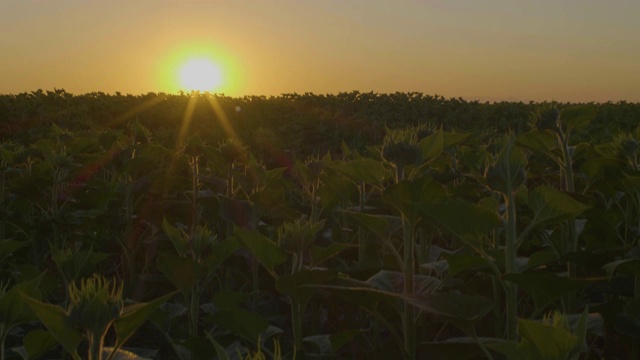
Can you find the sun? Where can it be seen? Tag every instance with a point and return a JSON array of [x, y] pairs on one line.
[[198, 66], [200, 74]]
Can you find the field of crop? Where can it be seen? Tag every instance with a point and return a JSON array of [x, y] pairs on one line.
[[353, 226]]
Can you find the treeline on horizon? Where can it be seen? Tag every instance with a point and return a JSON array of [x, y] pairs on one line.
[[303, 124]]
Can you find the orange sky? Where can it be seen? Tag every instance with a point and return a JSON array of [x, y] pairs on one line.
[[565, 50]]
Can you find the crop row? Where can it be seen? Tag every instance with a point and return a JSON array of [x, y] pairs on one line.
[[451, 244]]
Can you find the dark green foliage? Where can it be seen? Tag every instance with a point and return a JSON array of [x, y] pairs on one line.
[[340, 226]]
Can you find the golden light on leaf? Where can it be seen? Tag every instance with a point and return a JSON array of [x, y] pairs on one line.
[[200, 74]]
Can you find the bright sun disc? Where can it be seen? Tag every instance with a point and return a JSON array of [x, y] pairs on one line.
[[200, 74]]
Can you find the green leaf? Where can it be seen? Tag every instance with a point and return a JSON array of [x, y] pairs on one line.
[[628, 326], [508, 170], [8, 247], [220, 252], [540, 258], [320, 254], [195, 347], [546, 288], [241, 322], [301, 285], [545, 341], [576, 116], [335, 189], [358, 292], [178, 238], [552, 206], [77, 264], [580, 330], [329, 344], [631, 183], [297, 236], [431, 146], [540, 141], [393, 281], [452, 139], [367, 170], [510, 350], [264, 249], [625, 266], [55, 319], [376, 224], [221, 353], [133, 316], [128, 355], [182, 272], [236, 211], [226, 300], [13, 310], [633, 309], [37, 343], [462, 262], [409, 197], [605, 168], [462, 348], [462, 219], [464, 311]]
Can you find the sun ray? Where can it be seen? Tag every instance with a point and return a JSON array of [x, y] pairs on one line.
[[222, 117], [186, 121]]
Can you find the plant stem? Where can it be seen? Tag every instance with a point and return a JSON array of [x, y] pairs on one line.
[[3, 338], [195, 186], [497, 307], [296, 323], [193, 310], [409, 321], [256, 278], [362, 244], [2, 186], [510, 267], [572, 240], [95, 346], [229, 196]]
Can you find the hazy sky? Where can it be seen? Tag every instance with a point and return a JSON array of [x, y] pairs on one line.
[[565, 50]]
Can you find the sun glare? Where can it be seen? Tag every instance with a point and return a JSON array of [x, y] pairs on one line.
[[198, 66], [200, 74]]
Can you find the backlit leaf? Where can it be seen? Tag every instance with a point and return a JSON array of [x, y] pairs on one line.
[[37, 343], [264, 249], [508, 170], [57, 322], [552, 206], [368, 170], [431, 146], [540, 141], [133, 316]]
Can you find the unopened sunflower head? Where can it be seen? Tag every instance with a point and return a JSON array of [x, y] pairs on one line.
[[233, 151], [400, 147], [95, 303]]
